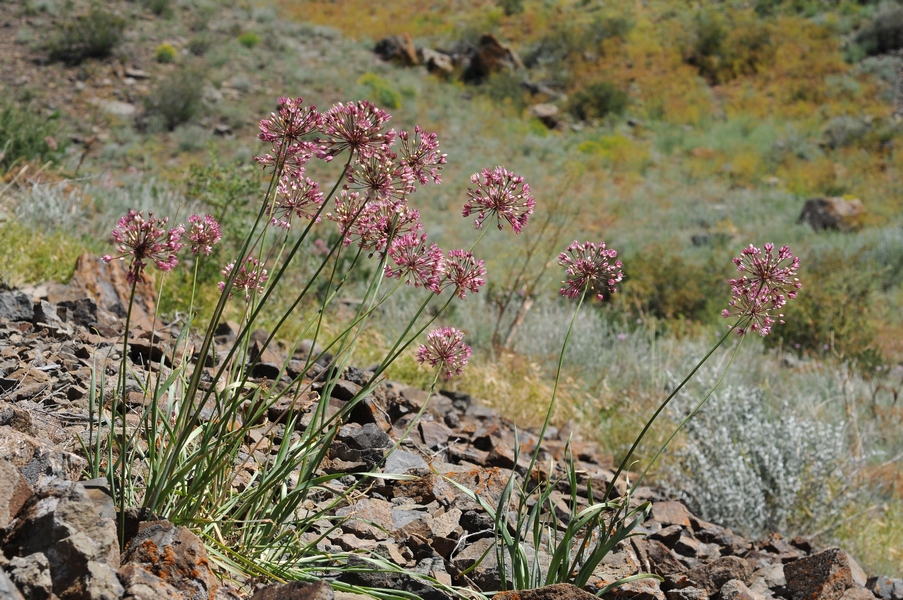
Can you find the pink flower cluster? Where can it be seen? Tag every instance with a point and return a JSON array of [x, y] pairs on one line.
[[590, 266], [250, 278], [146, 239], [203, 232], [769, 280], [502, 194], [445, 349]]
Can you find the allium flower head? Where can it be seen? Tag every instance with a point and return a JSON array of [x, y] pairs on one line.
[[500, 193], [381, 177], [444, 349], [357, 127], [145, 239], [373, 224], [250, 278], [298, 195], [769, 280], [203, 232], [418, 264], [590, 266], [286, 129], [464, 273], [421, 154]]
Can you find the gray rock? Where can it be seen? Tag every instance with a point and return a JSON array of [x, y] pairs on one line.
[[687, 593], [886, 588], [15, 306], [62, 522], [365, 437], [486, 573], [296, 590], [737, 590], [8, 590], [401, 461], [559, 591], [31, 574], [393, 580]]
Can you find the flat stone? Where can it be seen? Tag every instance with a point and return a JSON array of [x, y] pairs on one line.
[[401, 461], [16, 306], [671, 512], [643, 589], [735, 589], [14, 492], [687, 593], [367, 518], [296, 590], [886, 588]]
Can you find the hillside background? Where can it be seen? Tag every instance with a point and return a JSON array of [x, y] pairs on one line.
[[684, 132]]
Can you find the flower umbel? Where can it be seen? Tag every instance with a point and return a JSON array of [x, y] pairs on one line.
[[356, 126], [500, 193], [203, 232], [296, 194], [768, 282], [250, 278], [418, 264], [286, 128], [421, 154], [146, 240], [444, 349], [590, 266], [464, 272]]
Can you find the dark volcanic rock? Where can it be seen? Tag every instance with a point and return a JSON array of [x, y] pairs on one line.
[[823, 576]]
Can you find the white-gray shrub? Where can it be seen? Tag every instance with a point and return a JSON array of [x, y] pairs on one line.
[[756, 469]]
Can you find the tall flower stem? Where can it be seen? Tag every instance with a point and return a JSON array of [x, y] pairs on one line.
[[123, 446]]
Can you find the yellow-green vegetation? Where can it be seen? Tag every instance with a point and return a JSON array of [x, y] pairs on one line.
[[50, 255], [165, 53], [249, 39]]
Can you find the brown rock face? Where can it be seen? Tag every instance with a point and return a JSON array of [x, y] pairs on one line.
[[835, 214], [13, 493], [718, 572], [176, 556], [397, 48], [491, 56], [823, 576]]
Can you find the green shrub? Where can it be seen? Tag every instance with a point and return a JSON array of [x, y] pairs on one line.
[[381, 91], [176, 98], [597, 100], [92, 35], [249, 39], [505, 87], [666, 286], [26, 135], [724, 49], [199, 45], [883, 35], [833, 313], [165, 53], [158, 7]]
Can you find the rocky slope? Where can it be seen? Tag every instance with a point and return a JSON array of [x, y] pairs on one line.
[[58, 534]]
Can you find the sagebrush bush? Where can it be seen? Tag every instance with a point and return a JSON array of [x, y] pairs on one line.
[[177, 97], [724, 48], [26, 135], [91, 35], [758, 470]]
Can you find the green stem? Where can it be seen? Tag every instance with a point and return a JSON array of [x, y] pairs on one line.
[[123, 450]]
